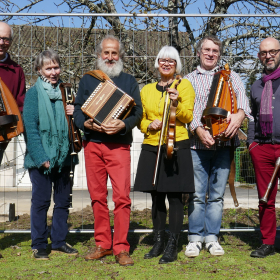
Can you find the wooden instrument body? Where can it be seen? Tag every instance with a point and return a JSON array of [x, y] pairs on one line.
[[221, 102], [171, 130], [108, 102], [68, 98], [11, 124]]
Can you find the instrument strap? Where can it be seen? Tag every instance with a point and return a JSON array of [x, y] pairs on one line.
[[99, 75], [232, 174]]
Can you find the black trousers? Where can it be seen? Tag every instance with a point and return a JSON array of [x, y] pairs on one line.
[[159, 212]]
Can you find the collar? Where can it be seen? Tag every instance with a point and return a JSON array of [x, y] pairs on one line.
[[163, 88], [3, 60], [8, 63], [208, 72], [43, 78]]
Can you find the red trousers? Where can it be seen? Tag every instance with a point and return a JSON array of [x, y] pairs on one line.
[[101, 160], [264, 157]]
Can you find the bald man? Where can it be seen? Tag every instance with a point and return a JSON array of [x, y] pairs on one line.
[[264, 139], [10, 72]]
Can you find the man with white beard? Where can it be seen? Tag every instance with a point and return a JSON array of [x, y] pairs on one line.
[[107, 152]]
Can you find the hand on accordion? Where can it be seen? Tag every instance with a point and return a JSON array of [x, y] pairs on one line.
[[113, 126], [235, 121], [90, 124]]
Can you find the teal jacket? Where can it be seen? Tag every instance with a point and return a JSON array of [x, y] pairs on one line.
[[35, 154]]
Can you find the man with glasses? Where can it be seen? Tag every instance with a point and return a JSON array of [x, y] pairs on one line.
[[264, 139], [10, 72], [211, 162]]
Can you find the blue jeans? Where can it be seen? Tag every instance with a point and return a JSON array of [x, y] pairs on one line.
[[40, 203], [211, 170]]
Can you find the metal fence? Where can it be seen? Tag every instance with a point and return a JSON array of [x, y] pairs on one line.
[[142, 37]]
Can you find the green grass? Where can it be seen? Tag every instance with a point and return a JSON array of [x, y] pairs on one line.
[[18, 263]]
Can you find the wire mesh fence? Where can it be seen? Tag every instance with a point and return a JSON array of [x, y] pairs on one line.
[[75, 39]]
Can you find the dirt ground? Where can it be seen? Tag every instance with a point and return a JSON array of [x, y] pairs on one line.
[[142, 219]]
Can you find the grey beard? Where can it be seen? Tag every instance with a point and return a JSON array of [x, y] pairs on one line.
[[113, 71]]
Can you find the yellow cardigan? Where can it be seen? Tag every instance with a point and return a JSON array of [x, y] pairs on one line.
[[153, 104]]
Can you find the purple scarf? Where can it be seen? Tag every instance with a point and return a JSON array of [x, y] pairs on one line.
[[266, 102]]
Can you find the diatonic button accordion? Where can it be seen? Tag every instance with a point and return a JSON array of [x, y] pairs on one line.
[[107, 102]]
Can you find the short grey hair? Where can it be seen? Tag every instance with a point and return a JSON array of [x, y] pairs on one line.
[[99, 47], [212, 38], [44, 57], [169, 52]]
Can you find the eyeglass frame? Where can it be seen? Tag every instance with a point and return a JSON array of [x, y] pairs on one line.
[[265, 52], [208, 51], [173, 62], [6, 40]]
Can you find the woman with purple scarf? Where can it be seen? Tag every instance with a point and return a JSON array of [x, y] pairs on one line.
[[264, 139]]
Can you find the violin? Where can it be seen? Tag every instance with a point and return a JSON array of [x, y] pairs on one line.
[[171, 129], [170, 139]]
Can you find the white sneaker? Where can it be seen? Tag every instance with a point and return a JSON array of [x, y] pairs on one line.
[[193, 249], [215, 248]]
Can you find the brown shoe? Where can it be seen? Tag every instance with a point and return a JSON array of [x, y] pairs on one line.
[[124, 259], [98, 253]]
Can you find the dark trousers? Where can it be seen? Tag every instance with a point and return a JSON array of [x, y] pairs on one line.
[[42, 185], [159, 212]]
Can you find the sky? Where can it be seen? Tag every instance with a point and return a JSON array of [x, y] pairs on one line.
[[48, 6]]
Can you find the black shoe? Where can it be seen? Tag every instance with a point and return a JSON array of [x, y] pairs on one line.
[[170, 253], [158, 246], [40, 254], [263, 251], [67, 249]]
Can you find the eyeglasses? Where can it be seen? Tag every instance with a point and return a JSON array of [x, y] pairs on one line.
[[209, 51], [168, 61], [6, 40], [271, 52]]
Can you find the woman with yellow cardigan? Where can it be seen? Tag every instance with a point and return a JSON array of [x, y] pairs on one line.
[[175, 176]]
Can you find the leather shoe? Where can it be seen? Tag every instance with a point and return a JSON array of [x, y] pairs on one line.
[[67, 249], [263, 251], [98, 253], [124, 259], [40, 254]]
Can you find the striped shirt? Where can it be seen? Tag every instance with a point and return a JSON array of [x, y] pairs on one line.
[[201, 81]]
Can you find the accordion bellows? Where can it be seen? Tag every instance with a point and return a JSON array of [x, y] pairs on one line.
[[108, 102]]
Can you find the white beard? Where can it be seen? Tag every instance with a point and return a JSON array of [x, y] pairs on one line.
[[112, 71]]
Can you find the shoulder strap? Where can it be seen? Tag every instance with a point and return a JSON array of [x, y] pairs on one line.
[[100, 75]]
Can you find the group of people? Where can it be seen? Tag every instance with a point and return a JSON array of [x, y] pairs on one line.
[[198, 167]]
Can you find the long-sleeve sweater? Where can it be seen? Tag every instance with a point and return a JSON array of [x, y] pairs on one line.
[[129, 85], [35, 154], [12, 75], [153, 104]]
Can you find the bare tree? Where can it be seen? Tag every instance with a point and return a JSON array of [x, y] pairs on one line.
[[143, 37]]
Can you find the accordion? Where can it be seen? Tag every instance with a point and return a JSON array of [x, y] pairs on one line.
[[221, 103], [11, 124], [107, 102]]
